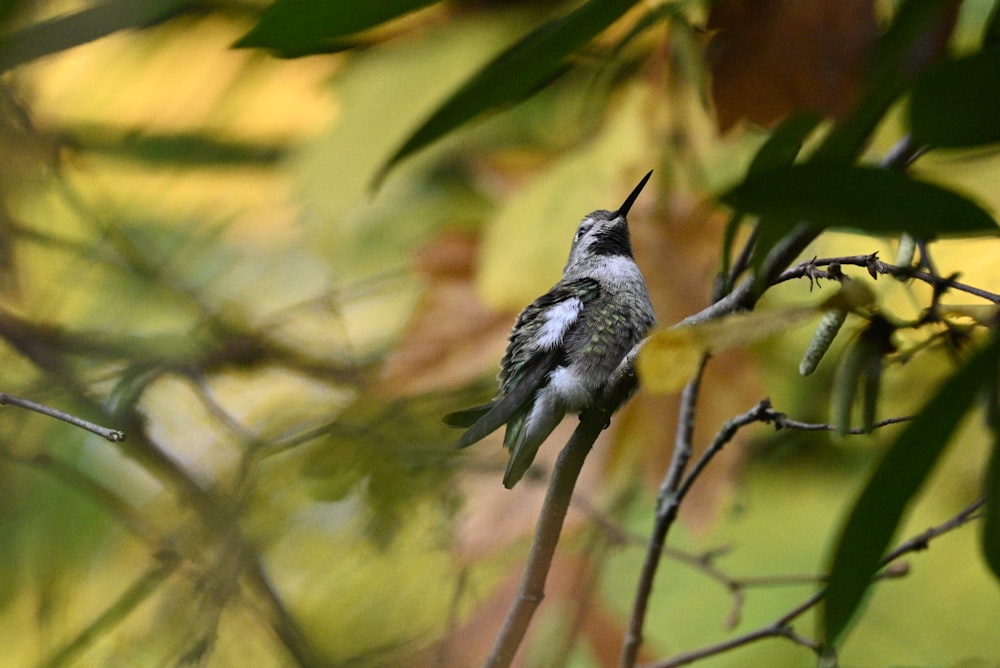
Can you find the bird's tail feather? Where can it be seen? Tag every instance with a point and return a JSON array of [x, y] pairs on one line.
[[526, 432], [467, 417]]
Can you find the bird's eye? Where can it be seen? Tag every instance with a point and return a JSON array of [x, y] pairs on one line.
[[583, 229]]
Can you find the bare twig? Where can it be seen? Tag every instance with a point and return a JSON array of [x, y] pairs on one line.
[[781, 626], [877, 267], [667, 504], [781, 421], [758, 413], [127, 602], [112, 435]]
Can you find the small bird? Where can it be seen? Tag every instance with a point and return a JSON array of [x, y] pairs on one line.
[[567, 343]]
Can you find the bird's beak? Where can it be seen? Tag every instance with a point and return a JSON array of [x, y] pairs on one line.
[[623, 209]]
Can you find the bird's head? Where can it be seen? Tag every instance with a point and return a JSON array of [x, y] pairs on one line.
[[601, 235]]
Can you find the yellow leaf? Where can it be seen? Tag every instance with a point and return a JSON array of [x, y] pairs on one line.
[[671, 355], [668, 359]]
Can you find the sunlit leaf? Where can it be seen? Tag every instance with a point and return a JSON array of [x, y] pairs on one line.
[[69, 30], [299, 27], [878, 511], [671, 355], [669, 359], [958, 103], [516, 73]]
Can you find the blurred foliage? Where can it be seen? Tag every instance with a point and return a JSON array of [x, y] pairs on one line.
[[191, 250]]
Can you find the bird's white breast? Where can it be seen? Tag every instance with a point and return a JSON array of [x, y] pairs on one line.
[[615, 270]]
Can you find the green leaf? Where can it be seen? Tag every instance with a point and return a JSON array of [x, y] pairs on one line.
[[903, 469], [991, 521], [957, 104], [991, 34], [784, 144], [295, 28], [515, 74], [780, 150], [877, 201], [64, 32], [901, 54]]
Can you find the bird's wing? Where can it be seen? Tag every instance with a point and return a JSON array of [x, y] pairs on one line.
[[501, 410], [535, 349], [543, 325]]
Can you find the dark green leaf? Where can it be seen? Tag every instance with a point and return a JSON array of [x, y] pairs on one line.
[[899, 475], [175, 149], [301, 27], [991, 484], [784, 144], [845, 387], [991, 35], [71, 30], [991, 522], [861, 368], [872, 200], [957, 104], [906, 48], [516, 73], [780, 150]]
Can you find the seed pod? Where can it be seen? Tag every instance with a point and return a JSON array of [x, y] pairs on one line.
[[826, 332]]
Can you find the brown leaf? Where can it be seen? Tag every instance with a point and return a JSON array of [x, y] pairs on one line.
[[772, 58], [453, 336]]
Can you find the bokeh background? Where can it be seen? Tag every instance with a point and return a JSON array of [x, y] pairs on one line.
[[194, 249]]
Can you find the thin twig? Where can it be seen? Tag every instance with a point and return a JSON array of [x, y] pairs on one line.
[[667, 504], [781, 421], [781, 626], [113, 435], [127, 602], [758, 413], [876, 267]]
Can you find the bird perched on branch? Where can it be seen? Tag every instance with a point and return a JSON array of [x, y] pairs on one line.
[[567, 343]]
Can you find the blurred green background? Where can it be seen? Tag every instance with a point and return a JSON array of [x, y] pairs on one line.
[[192, 250]]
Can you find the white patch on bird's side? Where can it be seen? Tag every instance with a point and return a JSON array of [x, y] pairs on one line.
[[558, 319], [572, 390]]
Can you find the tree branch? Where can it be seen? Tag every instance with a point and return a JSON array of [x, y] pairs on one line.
[[112, 435], [876, 267], [557, 499]]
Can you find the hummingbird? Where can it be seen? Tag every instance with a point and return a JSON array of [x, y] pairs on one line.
[[566, 344]]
